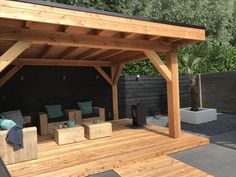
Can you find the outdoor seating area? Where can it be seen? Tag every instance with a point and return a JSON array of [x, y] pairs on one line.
[[54, 116], [128, 151]]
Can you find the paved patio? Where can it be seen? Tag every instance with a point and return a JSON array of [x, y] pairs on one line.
[[217, 158]]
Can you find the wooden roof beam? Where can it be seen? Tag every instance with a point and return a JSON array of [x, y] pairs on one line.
[[158, 63], [67, 52], [117, 74], [103, 74], [90, 41], [9, 74], [11, 54], [60, 62]]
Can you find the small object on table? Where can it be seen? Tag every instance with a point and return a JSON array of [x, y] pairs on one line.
[[70, 123], [98, 130], [95, 120], [69, 135], [60, 126]]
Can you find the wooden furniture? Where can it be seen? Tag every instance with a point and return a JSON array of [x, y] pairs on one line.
[[98, 112], [47, 127], [29, 151], [97, 130], [69, 135]]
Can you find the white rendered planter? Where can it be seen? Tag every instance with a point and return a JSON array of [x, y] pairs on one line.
[[198, 117]]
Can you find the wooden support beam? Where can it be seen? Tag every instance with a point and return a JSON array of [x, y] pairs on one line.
[[8, 75], [173, 95], [104, 75], [11, 54], [45, 51], [60, 62], [67, 52], [87, 54], [118, 73], [47, 48], [76, 40], [158, 63], [114, 94]]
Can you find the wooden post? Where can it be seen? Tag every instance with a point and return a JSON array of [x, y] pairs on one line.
[[115, 74], [173, 95]]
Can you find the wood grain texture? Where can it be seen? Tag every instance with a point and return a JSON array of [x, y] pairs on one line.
[[60, 62], [78, 40], [40, 13], [12, 53], [127, 149], [74, 114], [159, 64], [29, 151], [99, 130], [104, 74], [173, 95], [69, 135], [115, 103]]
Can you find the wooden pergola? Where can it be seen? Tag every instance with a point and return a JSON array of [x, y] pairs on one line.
[[49, 34]]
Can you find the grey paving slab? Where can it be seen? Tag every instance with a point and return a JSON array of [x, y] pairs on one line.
[[213, 159], [226, 140]]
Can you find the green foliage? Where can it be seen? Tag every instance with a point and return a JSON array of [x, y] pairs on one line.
[[216, 54]]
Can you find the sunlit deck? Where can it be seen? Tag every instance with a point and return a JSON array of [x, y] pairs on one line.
[[130, 152]]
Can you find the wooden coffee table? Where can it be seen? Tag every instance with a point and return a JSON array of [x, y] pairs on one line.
[[69, 135], [97, 130]]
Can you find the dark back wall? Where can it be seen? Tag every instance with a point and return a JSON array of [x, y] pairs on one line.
[[150, 91], [219, 91], [33, 87]]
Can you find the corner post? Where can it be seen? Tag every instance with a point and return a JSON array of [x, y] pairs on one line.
[[173, 95], [115, 74]]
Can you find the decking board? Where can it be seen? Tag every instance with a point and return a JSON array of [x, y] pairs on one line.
[[138, 150]]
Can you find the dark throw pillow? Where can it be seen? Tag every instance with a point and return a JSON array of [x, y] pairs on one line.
[[85, 107], [54, 111], [15, 116]]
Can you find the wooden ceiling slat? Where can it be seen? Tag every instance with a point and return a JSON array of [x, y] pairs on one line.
[[45, 51], [86, 53], [59, 62], [67, 52], [135, 57]]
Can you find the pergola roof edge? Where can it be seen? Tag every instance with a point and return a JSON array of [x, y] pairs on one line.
[[61, 16], [109, 13]]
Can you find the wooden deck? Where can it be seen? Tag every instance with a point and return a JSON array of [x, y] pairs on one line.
[[130, 152]]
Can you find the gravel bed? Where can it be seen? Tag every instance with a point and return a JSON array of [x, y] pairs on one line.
[[224, 123]]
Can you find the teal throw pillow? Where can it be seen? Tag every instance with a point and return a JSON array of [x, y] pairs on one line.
[[85, 107], [54, 111], [6, 124]]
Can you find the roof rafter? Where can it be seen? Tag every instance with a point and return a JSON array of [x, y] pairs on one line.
[[90, 41]]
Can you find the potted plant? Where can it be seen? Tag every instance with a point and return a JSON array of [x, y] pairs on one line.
[[194, 114]]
